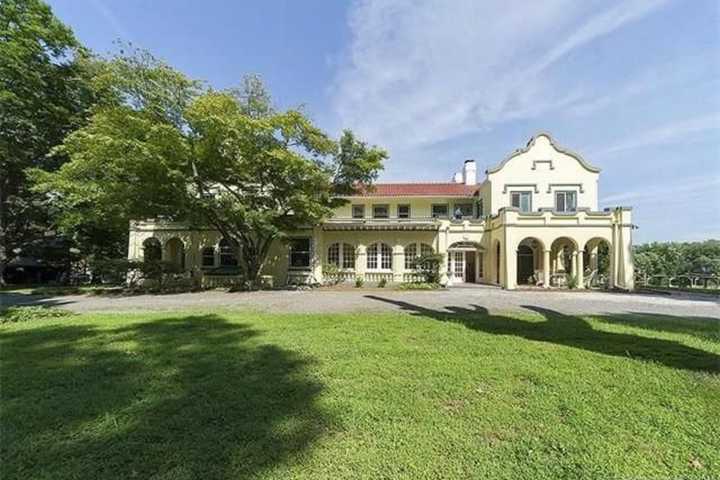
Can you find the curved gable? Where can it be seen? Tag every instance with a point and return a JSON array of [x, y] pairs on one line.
[[553, 144]]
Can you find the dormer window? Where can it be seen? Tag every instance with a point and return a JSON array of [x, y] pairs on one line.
[[521, 201], [565, 201]]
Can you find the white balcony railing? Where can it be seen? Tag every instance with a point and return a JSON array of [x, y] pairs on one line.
[[374, 277]]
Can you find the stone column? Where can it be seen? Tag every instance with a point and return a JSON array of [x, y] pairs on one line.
[[398, 266], [580, 269], [546, 268], [360, 261], [510, 269]]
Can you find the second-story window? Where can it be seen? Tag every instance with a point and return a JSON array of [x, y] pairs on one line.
[[565, 201], [403, 211], [381, 211], [440, 210], [358, 211], [521, 200], [463, 210]]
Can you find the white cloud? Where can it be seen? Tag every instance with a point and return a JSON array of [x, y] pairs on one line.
[[677, 190], [666, 134], [423, 72]]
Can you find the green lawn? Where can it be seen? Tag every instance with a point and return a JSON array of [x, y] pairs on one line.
[[419, 394]]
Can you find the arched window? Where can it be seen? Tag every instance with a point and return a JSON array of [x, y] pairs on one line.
[[333, 257], [228, 253], [379, 254], [348, 256], [425, 249], [410, 255], [152, 250], [208, 257]]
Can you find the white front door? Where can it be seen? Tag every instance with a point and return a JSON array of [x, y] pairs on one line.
[[458, 266]]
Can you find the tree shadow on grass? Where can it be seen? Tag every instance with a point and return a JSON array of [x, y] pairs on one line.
[[191, 397], [701, 327], [571, 331]]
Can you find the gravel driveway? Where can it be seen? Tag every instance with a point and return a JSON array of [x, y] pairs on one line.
[[376, 299]]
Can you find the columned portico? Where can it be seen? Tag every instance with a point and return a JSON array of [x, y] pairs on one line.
[[546, 268]]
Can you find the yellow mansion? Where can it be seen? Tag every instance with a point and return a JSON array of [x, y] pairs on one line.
[[532, 220]]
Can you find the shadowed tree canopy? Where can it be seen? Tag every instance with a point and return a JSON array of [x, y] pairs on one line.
[[45, 92], [166, 148]]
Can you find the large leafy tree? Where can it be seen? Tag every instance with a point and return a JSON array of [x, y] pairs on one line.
[[227, 160], [44, 94]]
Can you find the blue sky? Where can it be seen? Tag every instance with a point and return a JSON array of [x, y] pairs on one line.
[[632, 85]]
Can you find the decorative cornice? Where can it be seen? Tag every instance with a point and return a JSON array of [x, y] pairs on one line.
[[513, 185], [553, 185], [553, 143]]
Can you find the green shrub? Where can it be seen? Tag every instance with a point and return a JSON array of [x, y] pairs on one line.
[[572, 282], [428, 266], [331, 274], [359, 282], [26, 314], [419, 286], [382, 283]]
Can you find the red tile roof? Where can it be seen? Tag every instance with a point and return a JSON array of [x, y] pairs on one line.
[[419, 190]]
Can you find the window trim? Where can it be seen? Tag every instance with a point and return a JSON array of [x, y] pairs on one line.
[[565, 193], [378, 257], [309, 253], [447, 210], [361, 206], [381, 205], [409, 210], [520, 193], [343, 254]]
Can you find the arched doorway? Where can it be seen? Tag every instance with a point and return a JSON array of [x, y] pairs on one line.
[[529, 261], [563, 253], [175, 253], [597, 263], [152, 251], [463, 262]]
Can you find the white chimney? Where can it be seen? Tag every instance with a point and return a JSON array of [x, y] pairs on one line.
[[470, 172], [458, 177]]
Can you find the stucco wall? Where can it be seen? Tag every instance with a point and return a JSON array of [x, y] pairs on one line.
[[543, 169]]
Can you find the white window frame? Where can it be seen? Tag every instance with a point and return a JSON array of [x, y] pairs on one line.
[[520, 194], [564, 194], [379, 257], [410, 255], [345, 255]]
